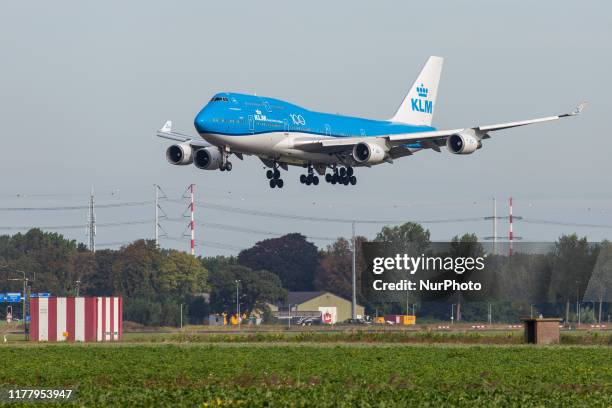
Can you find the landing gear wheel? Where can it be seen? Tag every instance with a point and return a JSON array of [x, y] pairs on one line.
[[228, 166], [353, 180], [315, 180], [279, 183], [334, 179], [328, 178], [349, 171], [269, 174], [276, 173], [272, 183], [303, 179], [222, 168], [345, 181], [342, 172]]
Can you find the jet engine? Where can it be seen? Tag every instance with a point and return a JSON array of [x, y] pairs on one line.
[[463, 143], [368, 153], [208, 158], [180, 154]]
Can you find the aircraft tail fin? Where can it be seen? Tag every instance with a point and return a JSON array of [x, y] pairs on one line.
[[417, 108]]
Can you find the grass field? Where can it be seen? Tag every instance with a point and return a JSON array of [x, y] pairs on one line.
[[314, 374], [369, 336]]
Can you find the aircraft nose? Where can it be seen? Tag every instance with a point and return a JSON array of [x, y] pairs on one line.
[[200, 121]]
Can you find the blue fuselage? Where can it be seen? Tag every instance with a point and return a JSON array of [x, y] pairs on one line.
[[232, 114]]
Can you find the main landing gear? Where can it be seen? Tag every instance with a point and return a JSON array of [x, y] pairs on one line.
[[309, 179], [274, 176], [342, 176]]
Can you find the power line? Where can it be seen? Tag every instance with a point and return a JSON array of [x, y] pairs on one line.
[[78, 207], [237, 210], [109, 244], [225, 208], [213, 244], [256, 231], [227, 227], [74, 226], [563, 223]]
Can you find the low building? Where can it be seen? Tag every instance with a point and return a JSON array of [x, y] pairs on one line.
[[76, 318], [328, 307]]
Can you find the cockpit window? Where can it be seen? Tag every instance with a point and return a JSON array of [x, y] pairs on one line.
[[219, 99]]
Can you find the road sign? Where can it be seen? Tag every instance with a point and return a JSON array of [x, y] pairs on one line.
[[13, 297]]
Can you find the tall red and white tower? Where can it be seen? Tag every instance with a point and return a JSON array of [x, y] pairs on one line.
[[192, 222]]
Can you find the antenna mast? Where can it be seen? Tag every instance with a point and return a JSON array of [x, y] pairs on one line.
[[91, 221]]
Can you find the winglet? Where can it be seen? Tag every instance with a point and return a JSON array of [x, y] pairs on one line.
[[167, 128], [578, 110]]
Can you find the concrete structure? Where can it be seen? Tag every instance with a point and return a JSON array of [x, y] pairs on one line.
[[329, 307], [542, 330], [76, 319]]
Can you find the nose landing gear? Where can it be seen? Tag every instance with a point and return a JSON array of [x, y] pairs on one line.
[[226, 165]]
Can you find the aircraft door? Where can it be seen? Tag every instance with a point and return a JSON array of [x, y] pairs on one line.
[[251, 124], [327, 129]]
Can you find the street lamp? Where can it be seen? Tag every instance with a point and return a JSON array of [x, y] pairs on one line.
[[453, 313], [25, 284], [238, 301], [578, 302], [289, 320], [78, 284]]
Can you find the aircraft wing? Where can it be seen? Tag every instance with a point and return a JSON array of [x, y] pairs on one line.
[[433, 139], [167, 133]]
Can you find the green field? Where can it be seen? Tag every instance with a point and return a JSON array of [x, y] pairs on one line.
[[314, 374], [367, 336]]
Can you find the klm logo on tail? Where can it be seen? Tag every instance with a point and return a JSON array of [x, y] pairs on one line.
[[422, 105]]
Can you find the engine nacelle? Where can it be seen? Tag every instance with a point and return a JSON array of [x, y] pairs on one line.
[[463, 143], [208, 158], [368, 153], [180, 154]]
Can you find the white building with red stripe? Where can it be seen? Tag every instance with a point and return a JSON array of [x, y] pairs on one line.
[[76, 319]]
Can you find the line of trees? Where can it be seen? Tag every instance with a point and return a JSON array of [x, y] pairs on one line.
[[155, 283]]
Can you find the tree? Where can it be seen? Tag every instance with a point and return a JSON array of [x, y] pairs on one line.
[[101, 283], [256, 289], [599, 288], [84, 268], [44, 254], [179, 274], [572, 260], [293, 259], [466, 246], [335, 271], [134, 268], [406, 238]]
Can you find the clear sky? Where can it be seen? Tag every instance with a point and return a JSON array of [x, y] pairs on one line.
[[85, 85]]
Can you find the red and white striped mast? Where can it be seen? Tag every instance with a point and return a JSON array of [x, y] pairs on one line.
[[192, 223]]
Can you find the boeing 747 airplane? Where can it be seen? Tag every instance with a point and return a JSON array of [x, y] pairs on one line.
[[281, 134]]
